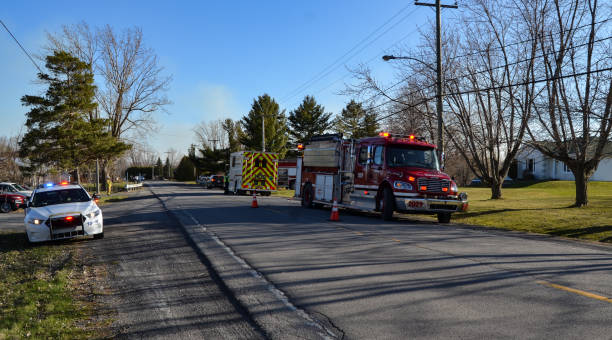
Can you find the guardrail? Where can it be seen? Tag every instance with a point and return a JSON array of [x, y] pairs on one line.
[[129, 187]]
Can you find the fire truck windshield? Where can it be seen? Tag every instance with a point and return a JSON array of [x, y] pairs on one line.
[[398, 156]]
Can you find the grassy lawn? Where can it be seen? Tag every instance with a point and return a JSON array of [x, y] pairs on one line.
[[544, 208], [38, 291]]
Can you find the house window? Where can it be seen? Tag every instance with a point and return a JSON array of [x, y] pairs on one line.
[[565, 168], [531, 165]]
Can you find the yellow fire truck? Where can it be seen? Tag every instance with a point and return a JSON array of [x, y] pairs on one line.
[[253, 171]]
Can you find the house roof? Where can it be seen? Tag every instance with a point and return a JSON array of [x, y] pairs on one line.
[[552, 146]]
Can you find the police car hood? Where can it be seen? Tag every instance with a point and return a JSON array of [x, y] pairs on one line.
[[55, 209]]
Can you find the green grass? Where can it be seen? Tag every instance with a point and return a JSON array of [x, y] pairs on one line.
[[36, 291], [282, 192], [544, 208]]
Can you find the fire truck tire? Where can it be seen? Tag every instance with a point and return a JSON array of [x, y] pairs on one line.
[[5, 207], [444, 217], [307, 196], [387, 203]]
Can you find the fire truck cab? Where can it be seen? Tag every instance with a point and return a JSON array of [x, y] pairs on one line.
[[386, 173]]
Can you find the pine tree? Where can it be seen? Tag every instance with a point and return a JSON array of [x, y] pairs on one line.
[[159, 167], [369, 125], [275, 125], [355, 122], [308, 120], [62, 128], [185, 170]]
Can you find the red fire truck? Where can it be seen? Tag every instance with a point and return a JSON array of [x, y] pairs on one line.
[[386, 173]]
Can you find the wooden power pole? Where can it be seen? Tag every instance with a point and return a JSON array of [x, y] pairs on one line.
[[439, 93]]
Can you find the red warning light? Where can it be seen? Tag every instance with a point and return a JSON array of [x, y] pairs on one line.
[[411, 137], [384, 134], [423, 188], [69, 218], [300, 146], [64, 183]]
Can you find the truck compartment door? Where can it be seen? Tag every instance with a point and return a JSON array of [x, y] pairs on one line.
[[324, 188]]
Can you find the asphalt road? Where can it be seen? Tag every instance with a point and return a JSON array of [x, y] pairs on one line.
[[159, 285], [370, 279]]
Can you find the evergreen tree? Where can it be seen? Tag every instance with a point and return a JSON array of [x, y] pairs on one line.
[[159, 168], [308, 120], [275, 125], [166, 171], [62, 129], [369, 125], [185, 170], [355, 122]]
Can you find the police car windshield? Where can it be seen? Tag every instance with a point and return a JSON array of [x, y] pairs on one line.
[[45, 198], [412, 157]]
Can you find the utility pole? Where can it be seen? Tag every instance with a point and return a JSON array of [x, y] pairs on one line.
[[263, 132], [439, 94]]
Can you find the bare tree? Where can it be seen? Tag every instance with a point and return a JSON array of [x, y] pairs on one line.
[[131, 84], [212, 134], [489, 109], [9, 159], [573, 119]]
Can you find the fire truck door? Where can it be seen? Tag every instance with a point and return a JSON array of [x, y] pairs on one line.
[[375, 173], [362, 165]]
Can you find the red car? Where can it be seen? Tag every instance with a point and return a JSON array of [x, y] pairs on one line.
[[11, 201]]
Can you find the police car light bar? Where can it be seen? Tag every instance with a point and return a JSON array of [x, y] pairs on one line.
[[48, 185]]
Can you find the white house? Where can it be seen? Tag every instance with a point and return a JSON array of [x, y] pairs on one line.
[[532, 161]]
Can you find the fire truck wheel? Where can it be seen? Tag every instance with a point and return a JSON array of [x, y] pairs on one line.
[[444, 217], [5, 207], [307, 196], [386, 204]]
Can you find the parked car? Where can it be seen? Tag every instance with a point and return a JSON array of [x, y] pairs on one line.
[[15, 188], [215, 181], [11, 201]]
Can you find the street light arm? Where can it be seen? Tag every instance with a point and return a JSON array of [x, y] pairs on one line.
[[391, 57]]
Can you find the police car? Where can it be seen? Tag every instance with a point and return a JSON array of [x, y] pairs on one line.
[[62, 211]]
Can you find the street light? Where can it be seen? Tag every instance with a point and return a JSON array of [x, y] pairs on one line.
[[392, 57], [439, 96]]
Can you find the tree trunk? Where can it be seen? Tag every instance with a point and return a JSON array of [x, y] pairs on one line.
[[581, 179], [78, 175], [496, 190]]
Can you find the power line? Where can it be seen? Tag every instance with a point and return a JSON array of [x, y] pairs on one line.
[[23, 49], [475, 73], [516, 42], [338, 62], [408, 106]]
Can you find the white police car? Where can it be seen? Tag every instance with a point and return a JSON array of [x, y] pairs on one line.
[[62, 211]]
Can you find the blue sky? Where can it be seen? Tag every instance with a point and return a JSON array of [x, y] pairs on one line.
[[221, 54]]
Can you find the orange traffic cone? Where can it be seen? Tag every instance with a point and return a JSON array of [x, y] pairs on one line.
[[254, 203], [334, 212]]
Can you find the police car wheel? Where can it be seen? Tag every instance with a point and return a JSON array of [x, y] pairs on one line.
[[5, 207]]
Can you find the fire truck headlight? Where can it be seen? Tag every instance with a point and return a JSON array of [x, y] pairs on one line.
[[453, 187], [399, 185]]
